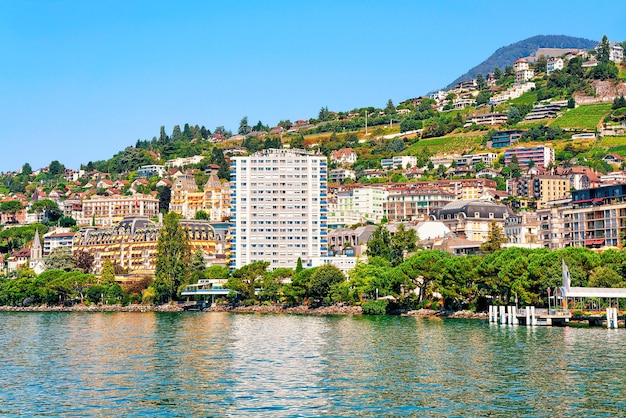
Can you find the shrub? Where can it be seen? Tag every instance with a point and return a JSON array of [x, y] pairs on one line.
[[375, 307]]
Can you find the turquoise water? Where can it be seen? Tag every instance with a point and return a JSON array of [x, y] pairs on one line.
[[220, 364]]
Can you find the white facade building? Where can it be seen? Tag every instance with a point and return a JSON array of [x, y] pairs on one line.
[[181, 162], [358, 205], [397, 162], [554, 64], [279, 208], [148, 171]]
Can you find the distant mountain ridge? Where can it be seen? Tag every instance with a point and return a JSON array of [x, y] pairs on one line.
[[507, 55]]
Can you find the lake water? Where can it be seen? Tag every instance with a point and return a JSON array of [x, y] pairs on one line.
[[220, 364]]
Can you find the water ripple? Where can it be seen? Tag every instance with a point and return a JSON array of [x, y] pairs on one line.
[[219, 364]]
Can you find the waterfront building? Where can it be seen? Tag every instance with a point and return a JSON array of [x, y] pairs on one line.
[[597, 217], [132, 243], [522, 230], [553, 233], [405, 203], [106, 211], [348, 241], [472, 219], [279, 206]]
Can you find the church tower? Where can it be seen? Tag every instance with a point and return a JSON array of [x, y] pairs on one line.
[[36, 255], [36, 251]]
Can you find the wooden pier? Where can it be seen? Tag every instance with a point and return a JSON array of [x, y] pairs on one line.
[[530, 316]]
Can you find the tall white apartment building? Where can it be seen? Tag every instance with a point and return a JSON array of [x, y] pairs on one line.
[[278, 208]]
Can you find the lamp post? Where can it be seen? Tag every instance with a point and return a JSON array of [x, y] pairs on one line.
[[548, 301]]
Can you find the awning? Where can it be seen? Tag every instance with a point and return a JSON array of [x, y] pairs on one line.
[[597, 200], [581, 201], [594, 241]]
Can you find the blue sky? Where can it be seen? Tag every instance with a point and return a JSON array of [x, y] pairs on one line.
[[81, 80]]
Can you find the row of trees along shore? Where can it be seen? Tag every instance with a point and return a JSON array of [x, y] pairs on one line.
[[425, 278]]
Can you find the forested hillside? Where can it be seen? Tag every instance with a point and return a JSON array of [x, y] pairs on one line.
[[507, 55]]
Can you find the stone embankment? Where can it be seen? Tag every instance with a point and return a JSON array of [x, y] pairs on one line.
[[447, 314], [94, 308], [271, 309], [323, 310]]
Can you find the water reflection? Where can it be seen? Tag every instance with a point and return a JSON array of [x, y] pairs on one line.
[[219, 364]]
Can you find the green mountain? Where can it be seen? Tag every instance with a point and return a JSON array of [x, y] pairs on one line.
[[507, 55]]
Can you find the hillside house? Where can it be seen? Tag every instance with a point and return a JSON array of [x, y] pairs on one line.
[[502, 139], [616, 51], [344, 156], [613, 159], [553, 65], [398, 162]]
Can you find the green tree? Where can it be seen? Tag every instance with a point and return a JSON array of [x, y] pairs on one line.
[[297, 142], [201, 215], [322, 281], [618, 103], [173, 257], [49, 208], [67, 221], [323, 113], [495, 239], [246, 279], [60, 259], [165, 197], [198, 266], [83, 260], [217, 157], [244, 128], [11, 207], [107, 277], [604, 277], [177, 135], [604, 51], [163, 138], [480, 82], [571, 103], [217, 273], [390, 108], [541, 65], [396, 146], [27, 170], [299, 267], [379, 244], [403, 241], [55, 168]]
